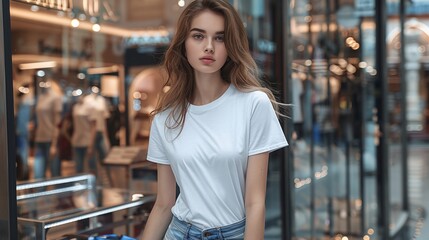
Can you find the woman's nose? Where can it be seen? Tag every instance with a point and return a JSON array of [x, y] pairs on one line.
[[208, 50], [209, 47]]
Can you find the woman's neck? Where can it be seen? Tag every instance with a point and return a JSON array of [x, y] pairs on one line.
[[208, 89]]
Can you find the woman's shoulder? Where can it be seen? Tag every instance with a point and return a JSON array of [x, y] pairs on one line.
[[162, 115], [252, 95], [160, 118]]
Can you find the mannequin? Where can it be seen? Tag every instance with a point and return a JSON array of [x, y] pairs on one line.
[[48, 116], [99, 145], [81, 137]]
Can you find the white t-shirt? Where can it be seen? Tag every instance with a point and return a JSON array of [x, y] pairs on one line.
[[209, 157], [48, 109], [98, 105], [82, 125]]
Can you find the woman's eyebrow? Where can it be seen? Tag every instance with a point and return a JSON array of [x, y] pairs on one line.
[[204, 31]]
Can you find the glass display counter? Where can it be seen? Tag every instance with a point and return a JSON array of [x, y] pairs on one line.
[[76, 205]]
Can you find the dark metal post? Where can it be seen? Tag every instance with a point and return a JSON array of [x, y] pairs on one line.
[[404, 134], [8, 213], [330, 134], [309, 50], [363, 119], [287, 166], [381, 104]]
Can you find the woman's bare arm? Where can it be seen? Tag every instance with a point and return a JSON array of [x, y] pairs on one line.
[[256, 182], [160, 215]]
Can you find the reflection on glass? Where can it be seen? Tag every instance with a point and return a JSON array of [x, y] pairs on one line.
[[145, 90], [69, 62]]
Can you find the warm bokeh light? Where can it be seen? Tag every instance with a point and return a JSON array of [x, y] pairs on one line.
[[75, 23], [96, 27], [137, 95]]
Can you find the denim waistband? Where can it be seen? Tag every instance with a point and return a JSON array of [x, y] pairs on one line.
[[224, 232]]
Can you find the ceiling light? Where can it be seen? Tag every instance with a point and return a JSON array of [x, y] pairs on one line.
[[42, 17], [103, 70], [363, 64], [96, 27], [95, 89], [77, 92], [37, 65], [75, 23], [24, 90], [81, 76], [40, 73]]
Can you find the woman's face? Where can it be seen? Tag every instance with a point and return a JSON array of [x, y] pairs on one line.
[[205, 47]]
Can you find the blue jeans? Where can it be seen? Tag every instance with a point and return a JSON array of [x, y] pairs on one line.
[[22, 151], [99, 152], [186, 231], [41, 160], [79, 154]]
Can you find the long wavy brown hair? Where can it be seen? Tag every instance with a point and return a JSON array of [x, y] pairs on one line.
[[240, 69]]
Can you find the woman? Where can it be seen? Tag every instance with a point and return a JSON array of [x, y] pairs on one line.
[[212, 132]]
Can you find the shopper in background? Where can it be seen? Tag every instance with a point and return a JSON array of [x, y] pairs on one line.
[[48, 116], [212, 132], [25, 105], [81, 138], [99, 144]]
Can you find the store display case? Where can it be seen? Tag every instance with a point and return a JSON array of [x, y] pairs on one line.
[[75, 205], [130, 161]]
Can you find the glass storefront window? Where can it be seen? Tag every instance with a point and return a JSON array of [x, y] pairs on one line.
[[336, 132], [107, 53], [85, 70], [75, 50]]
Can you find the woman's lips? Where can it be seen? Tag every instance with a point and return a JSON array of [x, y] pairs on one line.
[[207, 60]]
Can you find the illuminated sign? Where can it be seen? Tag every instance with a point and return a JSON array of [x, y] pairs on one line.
[[63, 5], [147, 40], [93, 8]]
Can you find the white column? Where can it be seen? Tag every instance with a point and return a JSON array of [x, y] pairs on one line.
[[412, 78]]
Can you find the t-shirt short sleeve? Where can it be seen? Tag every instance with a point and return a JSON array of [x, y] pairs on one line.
[[266, 134], [156, 151]]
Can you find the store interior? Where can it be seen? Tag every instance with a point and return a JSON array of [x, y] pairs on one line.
[[86, 77], [90, 69]]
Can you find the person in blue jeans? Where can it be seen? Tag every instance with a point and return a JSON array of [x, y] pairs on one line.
[[48, 116], [212, 132], [89, 138], [23, 119], [82, 133], [99, 144]]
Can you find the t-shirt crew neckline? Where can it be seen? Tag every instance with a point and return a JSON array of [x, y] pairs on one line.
[[202, 108]]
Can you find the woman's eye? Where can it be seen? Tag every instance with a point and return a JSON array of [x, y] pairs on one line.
[[219, 38], [198, 36]]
